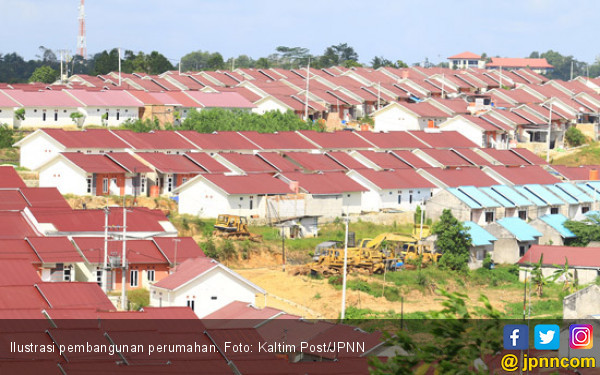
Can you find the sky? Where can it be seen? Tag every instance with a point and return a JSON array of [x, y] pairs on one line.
[[406, 30]]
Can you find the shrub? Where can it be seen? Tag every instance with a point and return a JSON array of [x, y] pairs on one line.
[[575, 137], [138, 298], [209, 248], [228, 250], [6, 136]]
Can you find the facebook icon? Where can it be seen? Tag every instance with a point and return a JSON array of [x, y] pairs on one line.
[[516, 337]]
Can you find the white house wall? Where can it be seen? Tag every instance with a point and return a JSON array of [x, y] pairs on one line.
[[7, 116], [267, 105], [38, 150], [352, 202], [93, 115], [34, 117], [216, 283], [203, 200], [395, 119], [466, 129], [63, 176]]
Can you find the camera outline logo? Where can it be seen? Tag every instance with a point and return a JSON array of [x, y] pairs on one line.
[[581, 336], [545, 332], [516, 337]]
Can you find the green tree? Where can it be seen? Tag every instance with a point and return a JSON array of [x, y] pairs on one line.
[[575, 137], [585, 231], [44, 74], [195, 61], [453, 240], [292, 57], [215, 62], [106, 62], [450, 341], [6, 136], [338, 55], [262, 63]]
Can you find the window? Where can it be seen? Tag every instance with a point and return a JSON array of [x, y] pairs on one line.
[[133, 278], [410, 198], [214, 298], [89, 184], [399, 199], [118, 115], [190, 304], [67, 274], [105, 185], [184, 180], [143, 184], [553, 210], [521, 251], [480, 254], [169, 183], [251, 201], [55, 116], [523, 215], [584, 209], [150, 274], [489, 217], [99, 277], [44, 116]]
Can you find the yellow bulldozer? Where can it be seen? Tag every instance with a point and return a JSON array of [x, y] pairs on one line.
[[234, 227]]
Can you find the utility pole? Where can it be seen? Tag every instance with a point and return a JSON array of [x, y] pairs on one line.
[[124, 261], [571, 70], [378, 95], [549, 132], [105, 263], [176, 241], [283, 245], [119, 49], [343, 315], [307, 86]]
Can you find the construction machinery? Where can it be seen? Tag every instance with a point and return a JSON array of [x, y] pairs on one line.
[[234, 227]]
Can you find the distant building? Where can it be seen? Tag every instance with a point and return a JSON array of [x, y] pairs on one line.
[[466, 60], [539, 66]]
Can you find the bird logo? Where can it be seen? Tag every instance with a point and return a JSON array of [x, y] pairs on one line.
[[546, 338]]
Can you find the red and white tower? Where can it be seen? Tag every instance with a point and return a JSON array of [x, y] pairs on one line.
[[81, 44]]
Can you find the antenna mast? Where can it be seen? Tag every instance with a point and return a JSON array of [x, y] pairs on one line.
[[81, 43]]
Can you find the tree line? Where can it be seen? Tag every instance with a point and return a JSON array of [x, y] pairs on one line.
[[46, 66]]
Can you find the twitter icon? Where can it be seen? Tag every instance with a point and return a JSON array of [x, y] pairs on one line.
[[547, 337]]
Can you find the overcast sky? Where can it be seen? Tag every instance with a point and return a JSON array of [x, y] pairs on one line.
[[406, 30]]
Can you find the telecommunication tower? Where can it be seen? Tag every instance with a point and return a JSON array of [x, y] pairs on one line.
[[81, 44]]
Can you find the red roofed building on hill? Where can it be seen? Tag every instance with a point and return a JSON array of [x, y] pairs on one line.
[[539, 66], [466, 60], [204, 285], [584, 260]]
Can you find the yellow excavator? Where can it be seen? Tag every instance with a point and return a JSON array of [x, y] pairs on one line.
[[234, 227]]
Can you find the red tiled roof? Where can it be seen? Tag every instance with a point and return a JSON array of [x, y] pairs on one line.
[[110, 98], [327, 183], [506, 157], [9, 178], [336, 140], [278, 141], [17, 249], [138, 251], [139, 219], [315, 162], [393, 140], [278, 161], [54, 249], [181, 98], [580, 173], [400, 179], [250, 184], [185, 80], [455, 105], [186, 272], [93, 163], [445, 139], [555, 255], [499, 124], [220, 99], [12, 200], [187, 248], [384, 160], [482, 123], [154, 98], [129, 162], [6, 101], [234, 314], [170, 163], [48, 197], [345, 160], [462, 177], [512, 62], [511, 116], [447, 158], [425, 109], [410, 158], [528, 174], [465, 55], [207, 162], [218, 141], [221, 77], [46, 98], [243, 91], [248, 163], [89, 138], [75, 295], [155, 140], [13, 225], [21, 297], [472, 156], [17, 272]]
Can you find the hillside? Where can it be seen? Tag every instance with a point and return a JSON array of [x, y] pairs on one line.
[[588, 155]]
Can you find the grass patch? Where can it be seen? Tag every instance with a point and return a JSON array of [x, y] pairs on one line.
[[588, 155]]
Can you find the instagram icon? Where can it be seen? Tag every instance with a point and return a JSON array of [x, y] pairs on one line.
[[581, 336]]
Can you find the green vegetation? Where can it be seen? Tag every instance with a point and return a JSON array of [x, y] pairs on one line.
[[20, 114], [138, 298], [587, 155], [44, 74], [575, 137], [586, 231], [453, 241], [7, 136]]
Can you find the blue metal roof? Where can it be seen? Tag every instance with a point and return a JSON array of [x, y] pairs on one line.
[[512, 195], [479, 196], [557, 222], [530, 196], [519, 228], [498, 197], [575, 192], [561, 194], [479, 236], [544, 194], [589, 190], [465, 198]]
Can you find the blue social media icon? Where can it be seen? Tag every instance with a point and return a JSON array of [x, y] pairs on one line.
[[516, 337], [547, 337]]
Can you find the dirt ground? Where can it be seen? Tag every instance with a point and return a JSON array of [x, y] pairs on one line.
[[311, 298]]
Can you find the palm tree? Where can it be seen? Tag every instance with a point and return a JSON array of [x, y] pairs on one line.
[[537, 277], [564, 272]]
